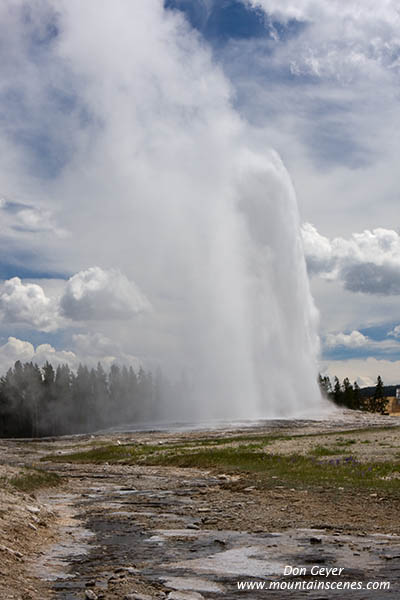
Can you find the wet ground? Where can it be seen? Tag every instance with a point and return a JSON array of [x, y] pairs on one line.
[[175, 533], [140, 532], [201, 563]]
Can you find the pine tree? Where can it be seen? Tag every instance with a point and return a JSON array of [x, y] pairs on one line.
[[337, 392], [379, 402], [325, 386], [348, 394], [356, 396]]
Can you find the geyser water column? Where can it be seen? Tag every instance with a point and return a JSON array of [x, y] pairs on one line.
[[253, 330], [282, 316], [156, 182]]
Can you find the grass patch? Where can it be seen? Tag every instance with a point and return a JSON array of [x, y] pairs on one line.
[[342, 442], [325, 451], [34, 479], [245, 453], [353, 431], [103, 454], [260, 440], [290, 470], [130, 453]]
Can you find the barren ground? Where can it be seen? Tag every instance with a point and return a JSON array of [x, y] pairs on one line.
[[118, 527]]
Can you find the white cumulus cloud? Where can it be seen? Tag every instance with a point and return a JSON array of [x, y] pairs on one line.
[[364, 371], [395, 332], [340, 39], [355, 339], [368, 262], [15, 349], [97, 294], [88, 349], [27, 303]]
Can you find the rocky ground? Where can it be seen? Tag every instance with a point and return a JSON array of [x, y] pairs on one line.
[[130, 531]]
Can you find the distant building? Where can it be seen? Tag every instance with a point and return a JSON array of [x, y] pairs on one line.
[[393, 405]]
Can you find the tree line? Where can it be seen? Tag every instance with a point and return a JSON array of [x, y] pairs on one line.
[[37, 402], [352, 396]]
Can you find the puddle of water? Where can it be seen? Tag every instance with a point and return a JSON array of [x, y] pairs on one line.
[[162, 534], [237, 561], [54, 564]]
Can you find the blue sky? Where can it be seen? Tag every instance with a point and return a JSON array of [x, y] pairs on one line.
[[316, 82]]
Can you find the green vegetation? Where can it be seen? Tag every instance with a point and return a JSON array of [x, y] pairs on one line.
[[342, 442], [325, 451], [33, 479], [237, 454], [104, 454], [130, 453], [289, 470]]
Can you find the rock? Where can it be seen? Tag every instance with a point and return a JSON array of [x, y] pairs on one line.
[[32, 526], [192, 526], [90, 595], [11, 551], [32, 509], [136, 596], [315, 540], [209, 521]]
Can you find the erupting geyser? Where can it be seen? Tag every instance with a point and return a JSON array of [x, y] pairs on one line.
[[153, 174], [251, 323]]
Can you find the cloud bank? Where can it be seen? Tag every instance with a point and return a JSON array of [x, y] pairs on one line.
[[369, 262], [90, 295]]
